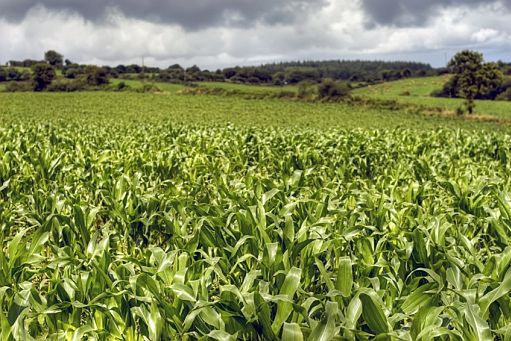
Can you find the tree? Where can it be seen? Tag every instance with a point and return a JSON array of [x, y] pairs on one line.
[[95, 75], [473, 79], [192, 70], [53, 58], [465, 65], [175, 67], [44, 74]]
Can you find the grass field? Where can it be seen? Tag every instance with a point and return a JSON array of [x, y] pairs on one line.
[[420, 89], [132, 216]]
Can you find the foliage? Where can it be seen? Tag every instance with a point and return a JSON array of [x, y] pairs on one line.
[[95, 75], [506, 95], [287, 73], [296, 72], [71, 72], [148, 88], [122, 86], [307, 89], [54, 58], [68, 85], [331, 90], [43, 75], [19, 87], [28, 63], [13, 74]]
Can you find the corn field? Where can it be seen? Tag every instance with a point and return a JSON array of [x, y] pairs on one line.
[[132, 231]]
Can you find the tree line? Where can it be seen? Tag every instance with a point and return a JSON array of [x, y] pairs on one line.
[[471, 77], [43, 75], [272, 73], [297, 72]]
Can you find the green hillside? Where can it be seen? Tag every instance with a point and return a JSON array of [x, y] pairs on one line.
[[418, 91]]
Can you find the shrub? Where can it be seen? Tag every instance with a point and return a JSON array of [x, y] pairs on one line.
[[330, 89], [307, 89], [148, 88], [122, 86], [19, 87], [68, 86]]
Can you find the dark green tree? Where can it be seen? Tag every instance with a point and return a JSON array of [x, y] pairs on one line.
[[490, 82], [43, 75], [465, 66], [54, 58]]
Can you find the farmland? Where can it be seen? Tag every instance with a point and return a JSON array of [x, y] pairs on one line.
[[164, 216]]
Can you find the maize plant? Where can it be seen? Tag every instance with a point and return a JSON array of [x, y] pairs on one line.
[[133, 231]]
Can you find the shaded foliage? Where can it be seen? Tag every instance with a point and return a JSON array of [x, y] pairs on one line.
[[43, 75]]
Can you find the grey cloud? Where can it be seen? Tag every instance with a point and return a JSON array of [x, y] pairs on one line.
[[190, 14], [414, 12]]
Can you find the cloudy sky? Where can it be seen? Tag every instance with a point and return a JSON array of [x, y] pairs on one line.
[[218, 33]]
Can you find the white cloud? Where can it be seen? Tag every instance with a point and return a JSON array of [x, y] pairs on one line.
[[484, 35], [335, 31]]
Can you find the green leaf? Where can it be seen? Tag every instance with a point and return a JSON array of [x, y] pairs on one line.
[[372, 312], [503, 289], [418, 298], [289, 288], [479, 326], [325, 329], [345, 276], [292, 332], [183, 292]]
